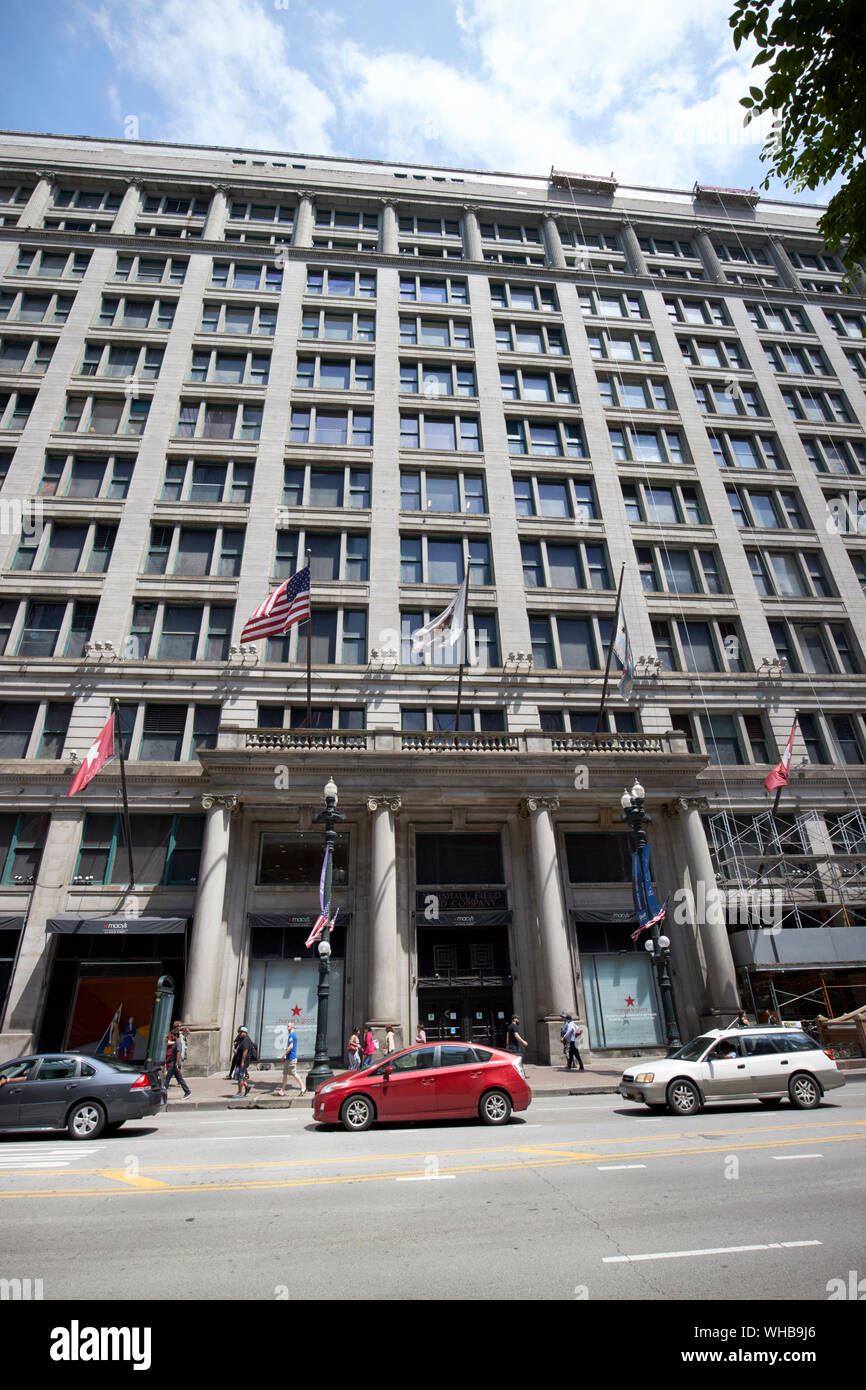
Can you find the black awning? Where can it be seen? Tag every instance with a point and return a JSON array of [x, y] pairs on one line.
[[610, 916], [499, 918], [301, 921], [115, 926], [10, 923]]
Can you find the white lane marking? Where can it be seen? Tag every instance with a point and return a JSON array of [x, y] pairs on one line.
[[616, 1167], [429, 1177], [785, 1158], [715, 1250]]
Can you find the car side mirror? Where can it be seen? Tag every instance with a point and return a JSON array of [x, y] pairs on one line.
[[386, 1073]]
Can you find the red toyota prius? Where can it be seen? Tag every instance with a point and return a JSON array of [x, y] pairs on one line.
[[432, 1081]]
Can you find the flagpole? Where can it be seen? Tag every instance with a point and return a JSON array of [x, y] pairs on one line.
[[463, 658], [610, 652], [126, 825], [310, 648]]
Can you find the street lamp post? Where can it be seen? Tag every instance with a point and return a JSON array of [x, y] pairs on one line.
[[633, 814], [320, 1072]]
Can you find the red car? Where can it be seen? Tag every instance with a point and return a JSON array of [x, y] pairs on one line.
[[433, 1081]]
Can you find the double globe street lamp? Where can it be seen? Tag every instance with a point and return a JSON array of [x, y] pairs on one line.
[[659, 946], [320, 1072]]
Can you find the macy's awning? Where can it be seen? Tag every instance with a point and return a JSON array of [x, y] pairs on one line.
[[115, 926]]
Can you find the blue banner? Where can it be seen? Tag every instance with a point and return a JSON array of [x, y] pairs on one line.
[[645, 902]]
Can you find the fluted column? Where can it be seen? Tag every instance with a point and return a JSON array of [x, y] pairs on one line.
[[304, 221], [556, 991], [208, 935], [785, 266], [39, 201], [388, 229], [633, 253], [471, 235], [130, 206], [382, 987], [707, 252], [709, 916], [553, 244], [215, 226]]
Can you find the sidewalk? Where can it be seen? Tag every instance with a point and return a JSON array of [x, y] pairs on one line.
[[216, 1093], [600, 1078]]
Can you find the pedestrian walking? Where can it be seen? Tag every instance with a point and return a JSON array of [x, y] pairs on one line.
[[290, 1062], [514, 1041], [420, 1036], [353, 1048], [369, 1047], [390, 1045], [565, 1018], [572, 1055], [742, 1020], [230, 1073], [241, 1061], [175, 1064]]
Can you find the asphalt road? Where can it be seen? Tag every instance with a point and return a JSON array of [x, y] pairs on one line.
[[579, 1198]]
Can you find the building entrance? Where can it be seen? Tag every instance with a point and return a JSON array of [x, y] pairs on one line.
[[465, 1015]]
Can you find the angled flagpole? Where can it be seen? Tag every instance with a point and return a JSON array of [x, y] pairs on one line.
[[610, 652], [310, 648], [115, 709], [462, 659]]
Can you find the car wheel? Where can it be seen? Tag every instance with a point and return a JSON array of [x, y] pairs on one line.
[[86, 1121], [804, 1091], [770, 1100], [683, 1097], [357, 1113], [495, 1108]]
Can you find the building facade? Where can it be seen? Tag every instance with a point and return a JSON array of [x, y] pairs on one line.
[[214, 363]]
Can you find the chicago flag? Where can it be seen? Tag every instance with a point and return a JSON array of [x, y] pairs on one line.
[[781, 772], [95, 758]]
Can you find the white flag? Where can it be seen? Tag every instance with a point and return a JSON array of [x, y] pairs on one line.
[[447, 629], [622, 652]]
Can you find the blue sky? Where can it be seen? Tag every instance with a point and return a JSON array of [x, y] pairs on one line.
[[647, 90]]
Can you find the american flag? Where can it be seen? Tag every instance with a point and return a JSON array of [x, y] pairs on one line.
[[319, 926], [653, 922], [287, 605]]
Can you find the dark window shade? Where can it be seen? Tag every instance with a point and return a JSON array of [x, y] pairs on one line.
[[459, 859]]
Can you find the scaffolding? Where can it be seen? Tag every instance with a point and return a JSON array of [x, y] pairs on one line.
[[812, 866]]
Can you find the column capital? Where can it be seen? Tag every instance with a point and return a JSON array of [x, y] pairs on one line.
[[308, 194], [389, 203], [393, 803], [224, 803], [49, 175], [530, 804], [471, 207], [626, 222]]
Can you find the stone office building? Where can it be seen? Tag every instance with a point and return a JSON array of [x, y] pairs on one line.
[[214, 361]]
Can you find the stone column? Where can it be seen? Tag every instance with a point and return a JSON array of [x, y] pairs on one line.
[[29, 983], [39, 201], [130, 207], [215, 225], [471, 234], [556, 989], [201, 994], [633, 253], [553, 244], [785, 266], [707, 252], [709, 918], [304, 221], [382, 977], [389, 229]]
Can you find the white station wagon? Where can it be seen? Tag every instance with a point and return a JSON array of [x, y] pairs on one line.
[[761, 1063]]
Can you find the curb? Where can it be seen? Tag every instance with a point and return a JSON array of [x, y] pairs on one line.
[[176, 1106]]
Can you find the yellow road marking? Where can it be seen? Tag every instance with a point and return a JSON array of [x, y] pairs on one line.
[[560, 1160], [119, 1175]]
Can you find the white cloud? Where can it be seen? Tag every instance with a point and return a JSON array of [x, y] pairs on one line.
[[651, 91], [223, 69]]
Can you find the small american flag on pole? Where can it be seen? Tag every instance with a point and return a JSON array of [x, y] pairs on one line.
[[287, 605], [319, 926], [653, 922]]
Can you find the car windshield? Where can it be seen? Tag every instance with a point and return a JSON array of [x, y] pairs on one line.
[[693, 1050]]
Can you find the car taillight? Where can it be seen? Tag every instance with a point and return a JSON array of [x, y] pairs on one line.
[[141, 1083], [830, 1053]]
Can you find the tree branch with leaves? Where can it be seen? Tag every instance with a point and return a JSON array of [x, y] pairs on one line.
[[816, 91]]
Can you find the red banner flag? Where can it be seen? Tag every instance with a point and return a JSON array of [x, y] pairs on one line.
[[779, 776], [95, 759]]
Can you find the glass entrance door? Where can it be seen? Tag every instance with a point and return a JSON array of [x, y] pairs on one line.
[[469, 1015]]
